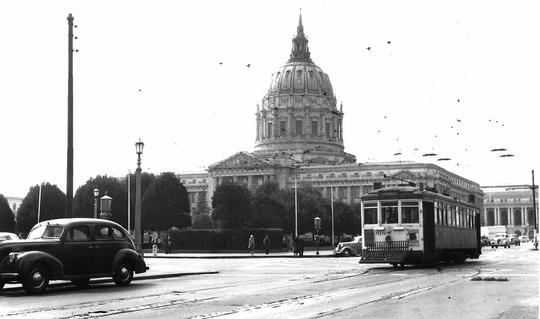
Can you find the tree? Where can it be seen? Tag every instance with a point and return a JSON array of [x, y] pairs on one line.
[[203, 221], [7, 218], [52, 206], [232, 206], [270, 208], [345, 220], [84, 198], [83, 201], [164, 203]]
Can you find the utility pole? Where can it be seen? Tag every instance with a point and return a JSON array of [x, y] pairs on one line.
[[534, 213], [69, 184]]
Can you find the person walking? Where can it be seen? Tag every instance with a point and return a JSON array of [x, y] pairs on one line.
[[251, 245], [295, 245], [266, 243], [169, 244]]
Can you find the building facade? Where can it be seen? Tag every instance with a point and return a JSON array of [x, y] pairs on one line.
[[14, 203], [510, 206], [299, 139]]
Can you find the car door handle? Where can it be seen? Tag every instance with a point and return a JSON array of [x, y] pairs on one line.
[[96, 246], [90, 246]]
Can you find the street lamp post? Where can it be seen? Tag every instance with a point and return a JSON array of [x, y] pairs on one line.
[[139, 146], [96, 195], [295, 208], [332, 208], [317, 221], [534, 213], [105, 204]]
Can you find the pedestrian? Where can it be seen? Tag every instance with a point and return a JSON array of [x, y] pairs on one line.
[[266, 243], [251, 245], [290, 242], [295, 245], [284, 242], [300, 245], [169, 244]]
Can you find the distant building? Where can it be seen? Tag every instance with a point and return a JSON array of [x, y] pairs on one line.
[[511, 206], [14, 204], [299, 139]]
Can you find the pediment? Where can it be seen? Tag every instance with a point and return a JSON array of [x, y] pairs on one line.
[[243, 160], [405, 174]]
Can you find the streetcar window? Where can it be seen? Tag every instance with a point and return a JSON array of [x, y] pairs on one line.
[[409, 212], [389, 211], [370, 215]]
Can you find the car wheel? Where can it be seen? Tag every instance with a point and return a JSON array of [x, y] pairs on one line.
[[123, 274], [80, 282], [347, 253], [36, 280]]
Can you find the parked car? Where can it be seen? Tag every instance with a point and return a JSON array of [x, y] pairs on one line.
[[514, 239], [8, 236], [524, 239], [500, 239], [349, 248], [75, 249], [485, 241]]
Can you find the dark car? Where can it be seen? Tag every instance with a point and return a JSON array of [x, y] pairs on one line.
[[75, 249]]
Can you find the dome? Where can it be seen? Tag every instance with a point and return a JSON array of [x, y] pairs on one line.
[[297, 77], [299, 115]]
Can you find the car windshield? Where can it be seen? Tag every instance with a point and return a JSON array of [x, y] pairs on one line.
[[46, 231]]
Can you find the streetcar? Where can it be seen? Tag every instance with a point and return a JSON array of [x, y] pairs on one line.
[[410, 225]]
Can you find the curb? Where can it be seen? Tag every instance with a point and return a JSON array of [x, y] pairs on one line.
[[135, 278], [235, 257]]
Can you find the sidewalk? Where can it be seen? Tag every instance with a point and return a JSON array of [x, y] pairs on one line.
[[258, 254]]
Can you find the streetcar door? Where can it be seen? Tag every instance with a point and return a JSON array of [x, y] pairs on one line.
[[429, 226]]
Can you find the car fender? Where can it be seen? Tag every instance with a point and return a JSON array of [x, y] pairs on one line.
[[132, 256], [28, 259]]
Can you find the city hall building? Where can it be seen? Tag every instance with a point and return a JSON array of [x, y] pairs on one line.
[[299, 140]]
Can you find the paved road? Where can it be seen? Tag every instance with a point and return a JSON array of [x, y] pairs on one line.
[[301, 288]]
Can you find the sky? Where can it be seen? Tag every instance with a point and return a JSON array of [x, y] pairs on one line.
[[452, 78]]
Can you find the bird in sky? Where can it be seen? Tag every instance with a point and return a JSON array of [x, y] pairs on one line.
[[459, 120], [430, 154], [458, 100], [388, 42], [507, 155], [220, 63], [140, 90], [443, 159], [498, 149], [398, 153], [368, 48], [248, 65]]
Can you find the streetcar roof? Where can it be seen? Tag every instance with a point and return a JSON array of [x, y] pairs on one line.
[[409, 192]]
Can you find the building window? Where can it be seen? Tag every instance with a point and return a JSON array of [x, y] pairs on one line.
[[269, 130], [314, 128], [355, 191], [298, 127], [366, 189], [327, 129], [283, 128]]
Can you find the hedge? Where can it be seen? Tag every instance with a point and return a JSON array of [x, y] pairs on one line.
[[211, 239]]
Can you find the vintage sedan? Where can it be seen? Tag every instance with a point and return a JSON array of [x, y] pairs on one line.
[[8, 236], [349, 248], [75, 249]]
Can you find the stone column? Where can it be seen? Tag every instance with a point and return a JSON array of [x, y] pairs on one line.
[[235, 179], [497, 212], [510, 215], [265, 179], [291, 125], [250, 182], [307, 125], [523, 220], [349, 197]]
